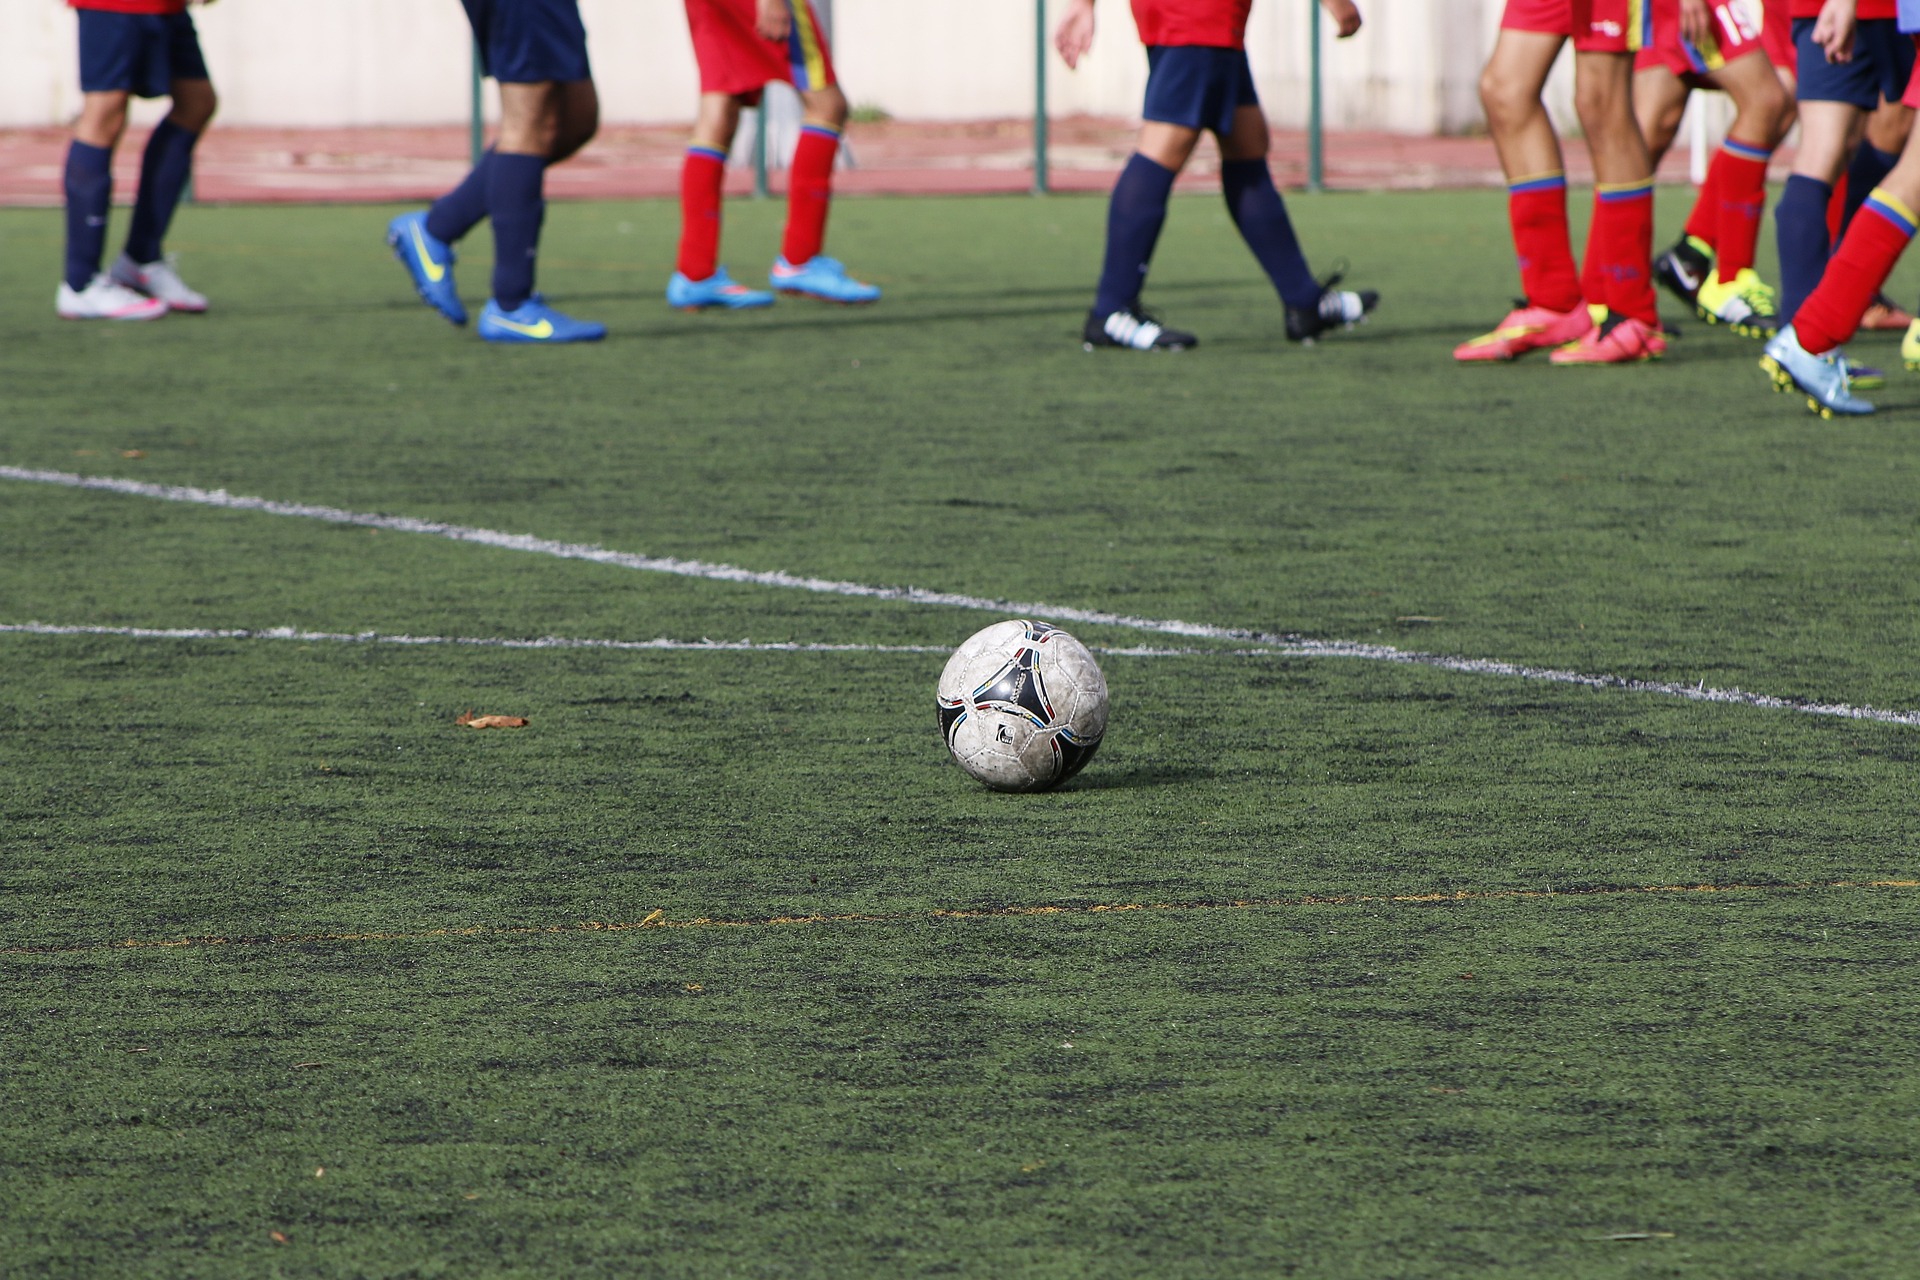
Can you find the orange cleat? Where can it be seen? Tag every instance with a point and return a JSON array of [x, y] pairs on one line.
[[1526, 329], [1618, 340], [1884, 314]]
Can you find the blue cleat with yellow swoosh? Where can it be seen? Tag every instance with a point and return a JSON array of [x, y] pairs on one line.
[[429, 261], [535, 321]]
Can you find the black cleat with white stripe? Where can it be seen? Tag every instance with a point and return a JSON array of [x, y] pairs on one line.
[[1337, 309], [1135, 330]]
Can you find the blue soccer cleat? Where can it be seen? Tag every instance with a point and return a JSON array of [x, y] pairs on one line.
[[429, 261], [717, 290], [535, 321], [1823, 378], [823, 278]]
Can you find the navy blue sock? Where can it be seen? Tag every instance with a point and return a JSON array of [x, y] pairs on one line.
[[89, 183], [1261, 215], [1134, 218], [164, 171], [460, 210], [1870, 165], [1800, 223], [515, 204]]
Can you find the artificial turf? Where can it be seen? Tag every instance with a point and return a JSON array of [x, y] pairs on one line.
[[396, 1042]]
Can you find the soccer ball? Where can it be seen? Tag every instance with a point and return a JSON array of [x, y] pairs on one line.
[[1022, 706]]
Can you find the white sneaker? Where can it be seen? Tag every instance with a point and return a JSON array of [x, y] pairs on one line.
[[158, 280], [106, 299]]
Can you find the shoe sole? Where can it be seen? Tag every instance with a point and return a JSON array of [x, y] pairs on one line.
[[1783, 382], [821, 297]]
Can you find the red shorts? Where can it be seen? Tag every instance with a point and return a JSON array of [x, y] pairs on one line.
[[1911, 98], [1776, 35], [735, 58], [1595, 26], [1736, 33]]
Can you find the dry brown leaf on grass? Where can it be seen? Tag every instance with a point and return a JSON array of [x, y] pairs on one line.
[[277, 1237], [473, 721]]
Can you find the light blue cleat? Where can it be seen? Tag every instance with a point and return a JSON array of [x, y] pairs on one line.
[[429, 261], [1822, 378], [535, 321], [717, 290], [821, 277]]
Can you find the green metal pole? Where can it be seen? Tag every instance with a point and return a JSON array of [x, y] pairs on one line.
[[1316, 158], [1039, 97], [476, 123], [760, 189]]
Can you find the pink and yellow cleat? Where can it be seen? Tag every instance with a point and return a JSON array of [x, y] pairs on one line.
[[1617, 340], [1526, 329]]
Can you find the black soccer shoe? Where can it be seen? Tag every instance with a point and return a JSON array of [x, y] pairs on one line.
[[1682, 269], [1133, 329], [1337, 309]]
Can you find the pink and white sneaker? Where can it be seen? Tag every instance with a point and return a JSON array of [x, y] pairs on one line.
[[1526, 329], [105, 298], [158, 280]]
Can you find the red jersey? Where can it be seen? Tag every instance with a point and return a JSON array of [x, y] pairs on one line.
[[132, 6], [1216, 24], [1867, 9]]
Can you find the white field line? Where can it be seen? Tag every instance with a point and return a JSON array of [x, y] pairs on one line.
[[1267, 641]]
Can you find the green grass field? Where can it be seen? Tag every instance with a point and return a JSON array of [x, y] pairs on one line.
[[719, 969]]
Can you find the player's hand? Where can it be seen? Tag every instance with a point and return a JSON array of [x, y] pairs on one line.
[[1696, 23], [1833, 30], [774, 20], [1074, 36], [1345, 15]]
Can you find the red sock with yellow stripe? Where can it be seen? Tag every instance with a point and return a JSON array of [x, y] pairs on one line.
[[1879, 233], [809, 193], [701, 175], [1537, 210], [1738, 181], [1619, 268]]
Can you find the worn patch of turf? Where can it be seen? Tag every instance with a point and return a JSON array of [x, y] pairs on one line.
[[1488, 1086]]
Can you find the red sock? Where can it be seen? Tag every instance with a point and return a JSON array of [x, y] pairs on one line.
[[1873, 243], [1537, 208], [1740, 196], [700, 177], [1837, 209], [809, 192], [1703, 222], [1620, 250]]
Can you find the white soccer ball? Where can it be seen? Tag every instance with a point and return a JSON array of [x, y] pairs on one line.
[[1022, 705]]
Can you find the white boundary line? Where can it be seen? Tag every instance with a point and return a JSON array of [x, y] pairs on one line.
[[1268, 641]]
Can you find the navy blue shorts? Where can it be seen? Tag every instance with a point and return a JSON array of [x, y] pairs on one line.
[[1882, 64], [530, 41], [1198, 87], [139, 53]]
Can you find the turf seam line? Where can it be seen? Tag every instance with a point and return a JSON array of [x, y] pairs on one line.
[[660, 920], [1279, 643]]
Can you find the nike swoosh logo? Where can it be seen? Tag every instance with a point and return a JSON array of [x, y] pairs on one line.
[[435, 272], [542, 330], [1686, 279]]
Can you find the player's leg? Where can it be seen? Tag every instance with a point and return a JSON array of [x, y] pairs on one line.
[[1179, 89], [1886, 138], [1550, 312], [1659, 103], [113, 58], [1618, 272], [699, 281], [165, 169], [1312, 306], [801, 267], [1735, 193]]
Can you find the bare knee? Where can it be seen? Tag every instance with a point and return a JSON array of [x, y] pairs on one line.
[[826, 106], [194, 103], [1508, 105]]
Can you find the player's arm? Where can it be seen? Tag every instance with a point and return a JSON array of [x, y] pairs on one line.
[[1074, 36], [1833, 30], [773, 19], [1696, 22], [1345, 15]]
